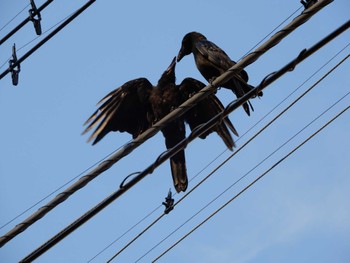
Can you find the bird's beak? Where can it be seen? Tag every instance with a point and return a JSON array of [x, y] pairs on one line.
[[180, 55], [172, 65]]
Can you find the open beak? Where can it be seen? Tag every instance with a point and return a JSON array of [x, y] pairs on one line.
[[180, 55], [172, 65]]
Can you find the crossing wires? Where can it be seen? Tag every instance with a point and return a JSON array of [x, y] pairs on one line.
[[302, 18], [252, 183], [238, 150], [99, 207], [47, 38]]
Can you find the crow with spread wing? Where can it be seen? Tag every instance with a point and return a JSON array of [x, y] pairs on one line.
[[212, 61], [137, 104]]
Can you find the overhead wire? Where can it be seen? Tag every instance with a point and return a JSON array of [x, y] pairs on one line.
[[209, 89], [243, 135], [272, 31], [37, 37], [6, 24], [25, 21], [251, 184], [57, 189], [42, 42], [243, 146], [99, 207]]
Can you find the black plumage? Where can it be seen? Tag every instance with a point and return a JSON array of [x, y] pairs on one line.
[[212, 61], [137, 104]]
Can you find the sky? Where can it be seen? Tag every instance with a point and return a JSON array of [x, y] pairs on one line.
[[299, 212]]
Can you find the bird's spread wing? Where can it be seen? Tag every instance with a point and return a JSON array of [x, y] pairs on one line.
[[205, 110], [126, 108]]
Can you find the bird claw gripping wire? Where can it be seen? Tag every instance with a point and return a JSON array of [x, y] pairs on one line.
[[14, 72], [169, 203], [36, 21]]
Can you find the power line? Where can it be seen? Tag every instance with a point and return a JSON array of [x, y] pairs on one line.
[[251, 184], [209, 89], [99, 207], [34, 13], [54, 32], [269, 34], [57, 189], [318, 70], [35, 38], [238, 150], [14, 17]]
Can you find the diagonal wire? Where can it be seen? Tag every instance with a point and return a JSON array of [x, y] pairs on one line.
[[57, 189], [42, 42], [252, 183], [108, 200], [269, 34], [239, 149], [150, 213], [25, 21], [209, 89], [14, 17]]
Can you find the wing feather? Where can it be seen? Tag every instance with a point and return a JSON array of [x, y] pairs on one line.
[[205, 110], [125, 109]]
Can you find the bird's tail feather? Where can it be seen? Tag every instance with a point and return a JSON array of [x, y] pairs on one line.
[[179, 171]]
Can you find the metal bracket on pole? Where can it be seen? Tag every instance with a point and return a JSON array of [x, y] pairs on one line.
[[12, 62], [36, 21]]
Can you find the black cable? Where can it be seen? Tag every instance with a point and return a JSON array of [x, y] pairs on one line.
[[252, 183], [35, 38], [233, 154], [59, 28], [42, 7], [238, 150], [59, 188], [302, 18]]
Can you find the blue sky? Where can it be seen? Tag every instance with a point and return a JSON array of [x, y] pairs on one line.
[[298, 213]]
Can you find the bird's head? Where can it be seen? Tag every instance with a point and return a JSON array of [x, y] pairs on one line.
[[187, 44], [168, 75]]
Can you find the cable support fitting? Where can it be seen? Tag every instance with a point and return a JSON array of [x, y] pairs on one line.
[[34, 12], [14, 69]]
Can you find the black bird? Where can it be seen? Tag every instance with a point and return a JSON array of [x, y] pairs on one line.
[[137, 104], [212, 61]]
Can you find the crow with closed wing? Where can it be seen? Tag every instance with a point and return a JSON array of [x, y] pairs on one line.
[[137, 104], [212, 61]]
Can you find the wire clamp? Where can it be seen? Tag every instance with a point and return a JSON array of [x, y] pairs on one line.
[[12, 62], [308, 3], [169, 202], [36, 21]]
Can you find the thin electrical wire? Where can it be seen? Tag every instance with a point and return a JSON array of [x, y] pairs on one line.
[[253, 182], [41, 36], [265, 116], [59, 188], [274, 40], [33, 13], [265, 159], [71, 180], [269, 34], [53, 33], [302, 18], [150, 213], [238, 150], [14, 17]]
